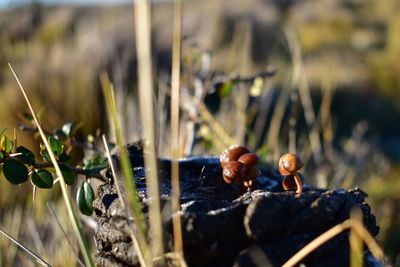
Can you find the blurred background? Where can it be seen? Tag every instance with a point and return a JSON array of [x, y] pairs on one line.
[[334, 98]]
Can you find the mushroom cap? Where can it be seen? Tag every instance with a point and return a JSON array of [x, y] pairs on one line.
[[232, 154], [289, 164], [233, 171], [249, 159]]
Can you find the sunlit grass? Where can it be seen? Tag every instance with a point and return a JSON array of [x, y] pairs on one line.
[[146, 91], [175, 126], [138, 238], [70, 209]]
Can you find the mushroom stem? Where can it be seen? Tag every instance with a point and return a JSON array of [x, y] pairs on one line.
[[298, 183]]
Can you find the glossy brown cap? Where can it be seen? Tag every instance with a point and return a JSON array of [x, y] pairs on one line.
[[232, 154], [233, 171], [289, 164], [249, 159]]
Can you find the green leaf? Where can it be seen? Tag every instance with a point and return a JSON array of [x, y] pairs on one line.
[[84, 198], [68, 174], [9, 144], [45, 155], [56, 146], [92, 170], [27, 156], [15, 171], [64, 157], [42, 179], [1, 155]]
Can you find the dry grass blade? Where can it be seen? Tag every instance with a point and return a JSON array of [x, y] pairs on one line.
[[175, 147], [226, 139], [13, 224], [37, 240], [126, 167], [113, 171], [300, 79], [276, 121], [146, 89], [71, 214], [328, 88], [355, 224], [133, 237], [36, 257], [356, 243], [363, 233], [65, 235], [296, 258]]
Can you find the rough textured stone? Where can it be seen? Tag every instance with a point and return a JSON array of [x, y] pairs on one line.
[[222, 228]]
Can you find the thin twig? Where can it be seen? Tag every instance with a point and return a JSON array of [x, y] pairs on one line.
[[34, 255], [83, 145], [42, 165], [34, 129], [242, 79], [36, 237], [65, 234]]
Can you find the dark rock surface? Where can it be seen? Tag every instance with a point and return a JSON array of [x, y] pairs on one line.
[[221, 228]]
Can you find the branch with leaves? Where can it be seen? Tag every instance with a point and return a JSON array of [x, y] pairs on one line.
[[19, 165]]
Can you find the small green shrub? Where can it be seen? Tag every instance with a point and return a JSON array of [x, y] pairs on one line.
[[20, 165]]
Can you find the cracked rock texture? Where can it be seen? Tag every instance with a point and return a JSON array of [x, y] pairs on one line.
[[221, 228]]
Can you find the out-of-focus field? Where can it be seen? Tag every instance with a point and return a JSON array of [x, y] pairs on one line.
[[334, 97]]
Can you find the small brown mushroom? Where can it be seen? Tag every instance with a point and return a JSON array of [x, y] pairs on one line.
[[239, 165], [249, 159], [289, 165], [233, 171], [232, 154]]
